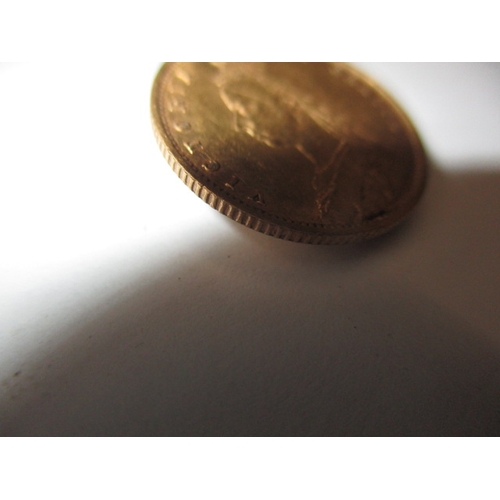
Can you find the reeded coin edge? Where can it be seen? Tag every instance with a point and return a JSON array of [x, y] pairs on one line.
[[319, 233], [252, 221]]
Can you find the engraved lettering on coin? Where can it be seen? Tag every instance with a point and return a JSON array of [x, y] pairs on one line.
[[257, 198], [177, 104], [308, 152], [211, 165], [232, 182], [182, 75], [182, 126], [193, 147]]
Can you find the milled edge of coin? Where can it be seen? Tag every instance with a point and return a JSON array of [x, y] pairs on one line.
[[317, 235], [240, 216]]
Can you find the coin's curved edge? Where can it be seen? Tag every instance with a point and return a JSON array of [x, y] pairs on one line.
[[301, 235], [418, 148], [251, 221]]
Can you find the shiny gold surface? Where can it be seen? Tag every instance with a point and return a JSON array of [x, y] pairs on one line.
[[308, 152]]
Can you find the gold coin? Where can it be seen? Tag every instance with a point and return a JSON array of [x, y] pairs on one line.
[[307, 152]]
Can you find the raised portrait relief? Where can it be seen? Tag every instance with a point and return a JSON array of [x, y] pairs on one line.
[[324, 136]]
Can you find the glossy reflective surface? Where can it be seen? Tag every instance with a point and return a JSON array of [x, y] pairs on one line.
[[309, 152]]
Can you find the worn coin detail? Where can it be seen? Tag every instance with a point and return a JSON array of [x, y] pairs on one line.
[[307, 152]]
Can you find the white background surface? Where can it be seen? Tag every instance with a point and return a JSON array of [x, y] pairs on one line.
[[129, 307]]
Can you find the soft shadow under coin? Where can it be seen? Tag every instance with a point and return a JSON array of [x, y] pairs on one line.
[[252, 336]]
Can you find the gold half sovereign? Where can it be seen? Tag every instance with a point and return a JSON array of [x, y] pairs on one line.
[[307, 152]]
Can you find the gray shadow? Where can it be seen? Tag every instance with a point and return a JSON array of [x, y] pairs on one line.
[[260, 337]]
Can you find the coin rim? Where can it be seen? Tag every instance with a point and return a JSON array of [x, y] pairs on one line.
[[272, 224]]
